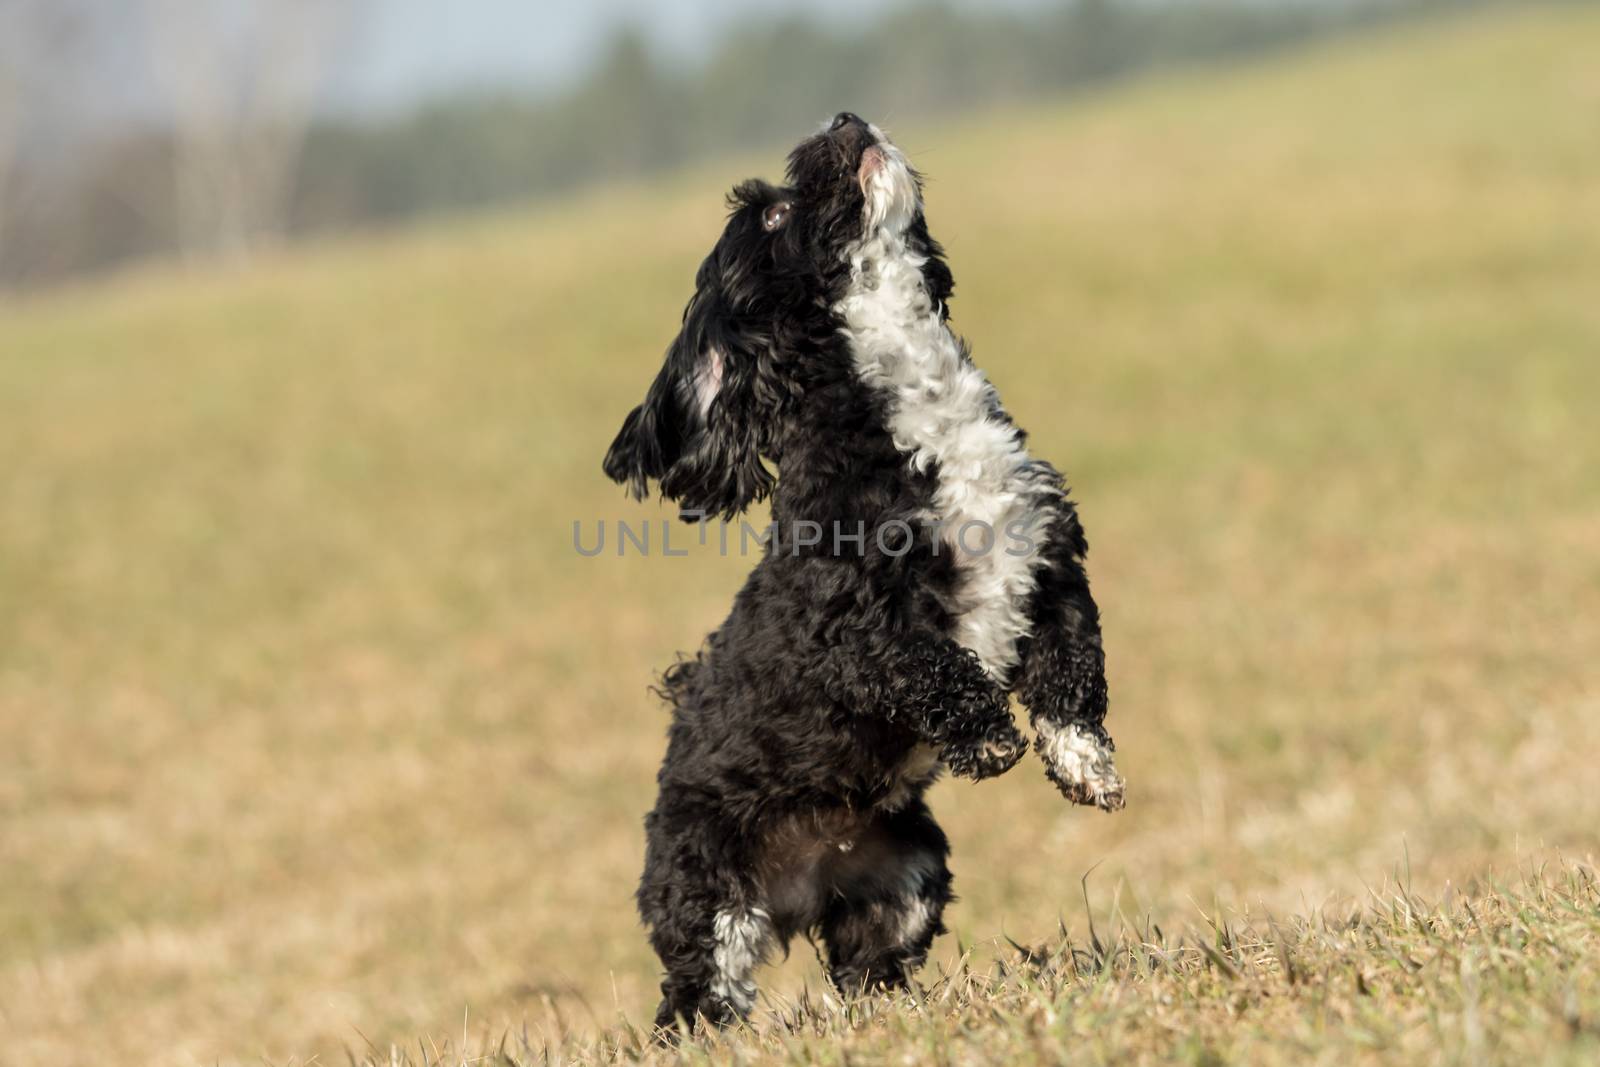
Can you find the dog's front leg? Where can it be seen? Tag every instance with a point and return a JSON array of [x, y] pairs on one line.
[[938, 690], [1061, 678]]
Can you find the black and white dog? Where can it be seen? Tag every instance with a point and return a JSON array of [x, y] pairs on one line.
[[854, 667]]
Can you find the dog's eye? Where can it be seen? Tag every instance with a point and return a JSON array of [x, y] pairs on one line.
[[775, 215]]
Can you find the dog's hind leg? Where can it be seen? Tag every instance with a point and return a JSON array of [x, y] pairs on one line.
[[887, 904], [710, 932]]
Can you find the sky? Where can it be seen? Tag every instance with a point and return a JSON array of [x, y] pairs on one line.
[[406, 50], [385, 56]]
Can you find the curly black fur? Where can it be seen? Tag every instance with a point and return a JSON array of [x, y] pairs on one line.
[[806, 730]]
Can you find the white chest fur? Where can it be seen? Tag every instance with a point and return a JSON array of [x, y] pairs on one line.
[[945, 415]]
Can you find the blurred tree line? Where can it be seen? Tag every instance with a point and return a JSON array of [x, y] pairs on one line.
[[242, 161]]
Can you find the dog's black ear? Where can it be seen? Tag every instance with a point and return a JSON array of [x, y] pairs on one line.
[[651, 438], [698, 433]]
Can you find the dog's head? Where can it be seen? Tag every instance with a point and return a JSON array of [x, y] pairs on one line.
[[760, 331]]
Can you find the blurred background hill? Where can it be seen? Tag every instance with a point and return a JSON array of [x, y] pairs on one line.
[[209, 130]]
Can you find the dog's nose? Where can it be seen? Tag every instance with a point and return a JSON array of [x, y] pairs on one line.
[[843, 119]]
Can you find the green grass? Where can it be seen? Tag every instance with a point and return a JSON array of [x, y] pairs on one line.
[[316, 727]]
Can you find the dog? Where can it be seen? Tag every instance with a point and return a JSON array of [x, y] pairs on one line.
[[852, 669]]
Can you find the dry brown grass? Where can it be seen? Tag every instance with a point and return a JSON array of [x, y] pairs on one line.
[[318, 728], [1501, 973]]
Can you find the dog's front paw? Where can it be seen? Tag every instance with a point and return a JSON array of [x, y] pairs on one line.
[[1078, 760], [987, 755]]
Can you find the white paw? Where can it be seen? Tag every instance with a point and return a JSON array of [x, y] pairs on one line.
[[1081, 765]]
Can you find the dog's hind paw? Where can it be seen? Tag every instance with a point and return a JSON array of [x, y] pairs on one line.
[[1079, 761]]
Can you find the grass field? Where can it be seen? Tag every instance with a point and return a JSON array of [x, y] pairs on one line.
[[320, 736]]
